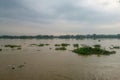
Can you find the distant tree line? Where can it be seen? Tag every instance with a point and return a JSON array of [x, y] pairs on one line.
[[92, 36]]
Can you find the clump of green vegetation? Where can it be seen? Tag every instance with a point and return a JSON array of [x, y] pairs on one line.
[[87, 50], [0, 49], [116, 47], [47, 44], [61, 48], [41, 45], [76, 45], [13, 46], [19, 48], [21, 66], [99, 40], [65, 44], [33, 44], [62, 44], [57, 44], [97, 46]]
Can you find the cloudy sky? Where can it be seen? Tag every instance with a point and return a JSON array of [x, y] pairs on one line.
[[56, 17]]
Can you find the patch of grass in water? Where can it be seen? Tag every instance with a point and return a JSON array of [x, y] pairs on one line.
[[41, 45], [47, 44], [99, 40], [61, 48], [65, 44], [62, 44], [12, 46], [0, 49], [87, 50], [76, 45], [97, 46], [33, 44], [19, 48], [21, 66], [57, 45], [116, 47]]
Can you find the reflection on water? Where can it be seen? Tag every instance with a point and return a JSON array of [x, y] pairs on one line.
[[45, 63]]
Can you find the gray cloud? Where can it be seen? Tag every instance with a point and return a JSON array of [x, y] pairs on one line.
[[12, 9], [31, 13], [60, 9]]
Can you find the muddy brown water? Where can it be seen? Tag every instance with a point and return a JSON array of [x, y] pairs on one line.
[[43, 63]]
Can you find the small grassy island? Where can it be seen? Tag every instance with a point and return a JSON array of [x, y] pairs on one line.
[[95, 50]]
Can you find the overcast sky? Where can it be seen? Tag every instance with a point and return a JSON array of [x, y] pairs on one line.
[[56, 17]]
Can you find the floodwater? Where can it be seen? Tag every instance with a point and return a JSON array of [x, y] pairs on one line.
[[45, 63]]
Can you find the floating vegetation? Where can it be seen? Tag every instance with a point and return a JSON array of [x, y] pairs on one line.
[[15, 67], [19, 48], [21, 66], [57, 45], [61, 48], [62, 44], [99, 40], [41, 45], [12, 67], [65, 44], [33, 44], [87, 50], [116, 47], [76, 45], [97, 46], [13, 46], [0, 49], [47, 44]]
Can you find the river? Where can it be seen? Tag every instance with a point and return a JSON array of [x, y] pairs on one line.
[[46, 63]]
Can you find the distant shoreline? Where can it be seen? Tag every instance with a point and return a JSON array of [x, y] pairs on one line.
[[91, 36]]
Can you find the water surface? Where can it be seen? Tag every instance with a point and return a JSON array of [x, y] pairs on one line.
[[45, 63]]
